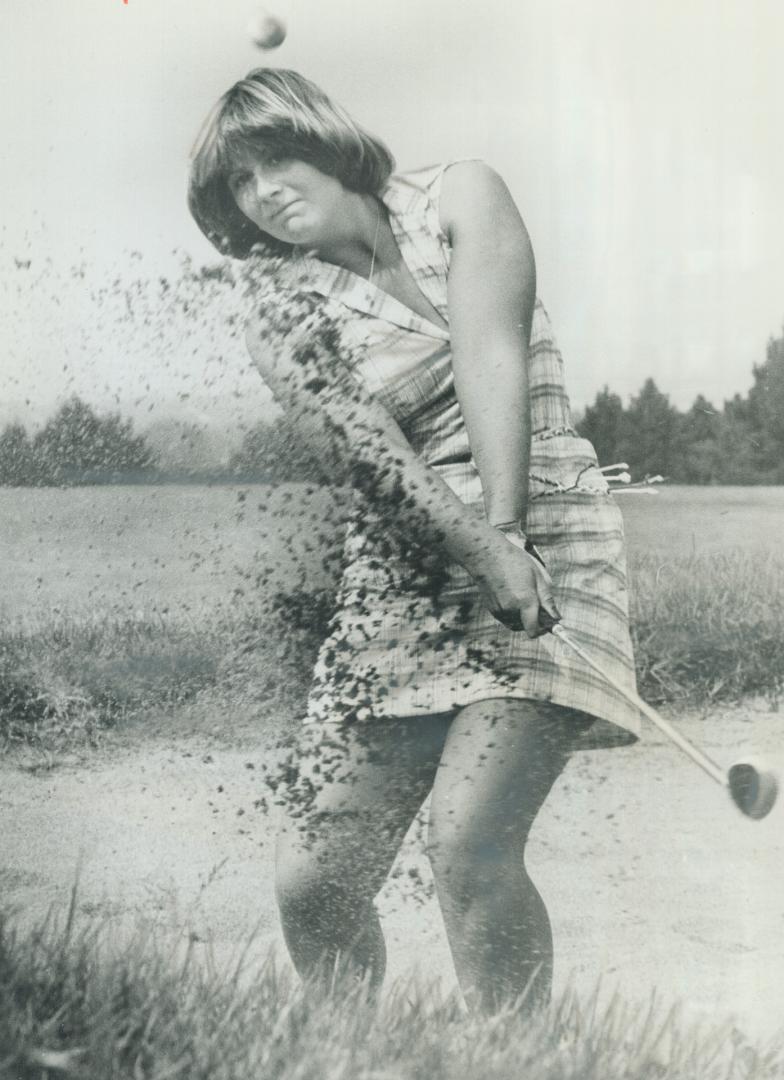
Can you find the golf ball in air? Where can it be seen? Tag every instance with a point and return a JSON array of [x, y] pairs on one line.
[[267, 31]]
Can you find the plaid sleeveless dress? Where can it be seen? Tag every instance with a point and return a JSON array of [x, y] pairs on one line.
[[410, 636]]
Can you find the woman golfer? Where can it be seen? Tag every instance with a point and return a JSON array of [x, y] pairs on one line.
[[427, 358]]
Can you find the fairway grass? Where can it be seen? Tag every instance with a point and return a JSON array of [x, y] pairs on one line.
[[73, 1005]]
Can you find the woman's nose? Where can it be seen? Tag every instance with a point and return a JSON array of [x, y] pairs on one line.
[[266, 186]]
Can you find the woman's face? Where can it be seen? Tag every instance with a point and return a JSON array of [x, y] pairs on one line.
[[287, 198]]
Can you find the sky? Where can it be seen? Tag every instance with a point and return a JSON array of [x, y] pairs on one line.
[[642, 143]]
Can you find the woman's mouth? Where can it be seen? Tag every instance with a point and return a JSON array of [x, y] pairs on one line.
[[283, 209]]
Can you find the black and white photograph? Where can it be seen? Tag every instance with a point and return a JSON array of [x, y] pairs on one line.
[[391, 577]]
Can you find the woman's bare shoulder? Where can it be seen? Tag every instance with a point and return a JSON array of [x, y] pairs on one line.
[[473, 193]]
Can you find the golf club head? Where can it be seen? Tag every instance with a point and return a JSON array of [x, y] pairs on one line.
[[753, 787]]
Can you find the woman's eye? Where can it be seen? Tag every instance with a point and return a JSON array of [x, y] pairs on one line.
[[274, 161], [238, 180]]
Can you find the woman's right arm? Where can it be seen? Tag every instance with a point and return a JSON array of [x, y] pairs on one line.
[[296, 357]]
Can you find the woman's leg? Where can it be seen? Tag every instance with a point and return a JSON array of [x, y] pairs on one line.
[[351, 795], [500, 760]]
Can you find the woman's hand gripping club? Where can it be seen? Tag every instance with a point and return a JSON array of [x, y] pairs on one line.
[[515, 585]]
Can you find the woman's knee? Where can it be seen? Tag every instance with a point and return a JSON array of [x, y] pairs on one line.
[[472, 848], [316, 878], [501, 760], [304, 867], [466, 869]]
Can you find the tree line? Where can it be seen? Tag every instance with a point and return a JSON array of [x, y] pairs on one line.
[[79, 446], [740, 443], [75, 446]]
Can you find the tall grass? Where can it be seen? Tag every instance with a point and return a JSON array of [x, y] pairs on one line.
[[71, 1006], [65, 682], [706, 628], [68, 679], [709, 627]]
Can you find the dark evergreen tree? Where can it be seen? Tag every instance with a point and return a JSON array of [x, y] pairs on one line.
[[766, 413], [650, 435], [602, 424], [738, 447], [699, 443]]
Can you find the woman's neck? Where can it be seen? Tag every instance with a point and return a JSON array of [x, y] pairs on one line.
[[363, 244]]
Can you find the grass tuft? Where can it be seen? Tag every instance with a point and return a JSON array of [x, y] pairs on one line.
[[64, 681], [709, 627], [72, 1006]]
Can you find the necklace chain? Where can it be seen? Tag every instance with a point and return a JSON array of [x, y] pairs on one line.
[[375, 243]]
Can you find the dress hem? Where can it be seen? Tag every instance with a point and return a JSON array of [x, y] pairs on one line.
[[603, 734]]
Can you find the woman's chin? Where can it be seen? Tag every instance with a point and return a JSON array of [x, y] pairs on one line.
[[298, 232]]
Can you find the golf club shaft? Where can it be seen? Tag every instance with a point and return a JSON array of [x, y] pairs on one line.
[[697, 756]]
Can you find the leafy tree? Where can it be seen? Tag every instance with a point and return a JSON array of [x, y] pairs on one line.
[[17, 465], [79, 446], [602, 424]]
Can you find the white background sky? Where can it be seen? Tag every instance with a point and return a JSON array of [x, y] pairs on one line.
[[642, 141]]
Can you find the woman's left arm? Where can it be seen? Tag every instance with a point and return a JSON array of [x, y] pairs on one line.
[[491, 296]]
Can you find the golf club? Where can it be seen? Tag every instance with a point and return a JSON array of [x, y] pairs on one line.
[[752, 787]]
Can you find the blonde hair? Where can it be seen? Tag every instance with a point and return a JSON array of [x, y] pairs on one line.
[[284, 114]]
